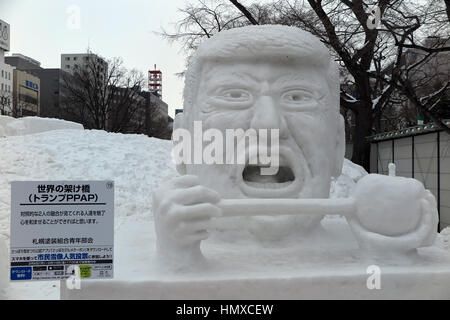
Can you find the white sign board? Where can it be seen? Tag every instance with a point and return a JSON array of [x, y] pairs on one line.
[[59, 224], [5, 33]]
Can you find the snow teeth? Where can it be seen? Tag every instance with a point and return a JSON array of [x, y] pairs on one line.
[[268, 185]]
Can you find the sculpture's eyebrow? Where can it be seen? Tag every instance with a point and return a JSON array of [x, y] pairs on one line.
[[229, 78], [297, 80]]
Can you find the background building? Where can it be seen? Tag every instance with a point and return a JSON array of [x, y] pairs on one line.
[[26, 88], [21, 62], [6, 72], [71, 62], [156, 116], [52, 93], [26, 94], [170, 119]]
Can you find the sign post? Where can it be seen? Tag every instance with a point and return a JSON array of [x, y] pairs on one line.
[[4, 35], [56, 225]]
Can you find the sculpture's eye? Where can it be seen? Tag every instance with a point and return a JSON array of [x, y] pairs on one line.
[[235, 95], [298, 98]]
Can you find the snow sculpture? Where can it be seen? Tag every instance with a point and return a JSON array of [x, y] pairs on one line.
[[278, 77]]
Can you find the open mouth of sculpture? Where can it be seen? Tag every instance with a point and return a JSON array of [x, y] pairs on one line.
[[252, 177], [286, 182]]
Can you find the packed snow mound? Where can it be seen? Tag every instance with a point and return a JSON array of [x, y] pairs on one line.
[[353, 171], [136, 163], [30, 125], [343, 186], [443, 239]]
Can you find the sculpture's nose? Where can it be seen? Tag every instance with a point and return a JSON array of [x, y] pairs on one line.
[[268, 116]]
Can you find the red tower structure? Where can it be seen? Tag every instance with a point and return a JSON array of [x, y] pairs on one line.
[[155, 82]]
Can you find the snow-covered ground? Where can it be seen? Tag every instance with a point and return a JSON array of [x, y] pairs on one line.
[[136, 163]]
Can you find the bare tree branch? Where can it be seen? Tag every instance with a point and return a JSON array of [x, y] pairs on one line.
[[105, 96], [376, 61], [244, 11]]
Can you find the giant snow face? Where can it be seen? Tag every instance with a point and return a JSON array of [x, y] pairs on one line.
[[273, 78], [288, 95]]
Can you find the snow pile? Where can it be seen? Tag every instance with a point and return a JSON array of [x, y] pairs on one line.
[[343, 186], [136, 163], [443, 239], [31, 125]]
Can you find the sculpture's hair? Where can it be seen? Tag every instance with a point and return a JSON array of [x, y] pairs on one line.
[[271, 41]]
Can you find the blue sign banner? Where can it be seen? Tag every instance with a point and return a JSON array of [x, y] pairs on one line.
[[21, 273], [31, 85]]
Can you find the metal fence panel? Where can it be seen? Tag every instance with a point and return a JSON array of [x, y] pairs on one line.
[[403, 155], [444, 166], [384, 156], [425, 160], [417, 156]]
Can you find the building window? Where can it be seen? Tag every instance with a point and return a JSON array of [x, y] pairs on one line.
[[67, 66], [75, 58], [67, 58]]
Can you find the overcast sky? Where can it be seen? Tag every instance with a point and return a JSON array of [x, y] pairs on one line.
[[43, 29]]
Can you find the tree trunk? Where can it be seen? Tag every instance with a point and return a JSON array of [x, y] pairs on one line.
[[363, 129]]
